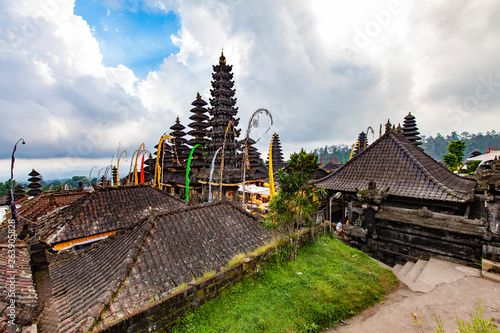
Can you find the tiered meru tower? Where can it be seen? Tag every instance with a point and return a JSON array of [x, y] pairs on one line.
[[198, 132], [34, 185], [209, 132], [363, 143], [223, 112], [410, 130], [277, 153]]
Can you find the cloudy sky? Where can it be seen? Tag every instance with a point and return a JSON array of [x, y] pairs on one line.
[[81, 80]]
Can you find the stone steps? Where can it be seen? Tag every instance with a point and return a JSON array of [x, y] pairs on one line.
[[487, 265], [424, 275]]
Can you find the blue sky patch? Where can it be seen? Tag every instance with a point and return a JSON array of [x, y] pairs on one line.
[[135, 36]]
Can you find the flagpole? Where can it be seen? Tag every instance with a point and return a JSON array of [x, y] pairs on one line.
[[12, 204]]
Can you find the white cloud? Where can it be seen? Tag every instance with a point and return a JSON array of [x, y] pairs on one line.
[[438, 60]]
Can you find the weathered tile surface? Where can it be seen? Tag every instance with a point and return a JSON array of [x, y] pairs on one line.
[[15, 276], [104, 210], [393, 161], [39, 206], [135, 268]]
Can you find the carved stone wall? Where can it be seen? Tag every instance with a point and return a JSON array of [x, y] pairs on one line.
[[491, 245], [401, 235]]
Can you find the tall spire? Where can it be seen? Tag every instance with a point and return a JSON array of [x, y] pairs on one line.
[[179, 152], [363, 142], [222, 59], [222, 112], [277, 153], [410, 130], [199, 131]]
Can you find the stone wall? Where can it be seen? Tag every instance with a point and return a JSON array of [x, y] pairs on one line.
[[399, 235], [163, 316], [491, 246]]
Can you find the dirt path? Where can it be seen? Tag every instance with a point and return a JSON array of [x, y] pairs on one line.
[[395, 314]]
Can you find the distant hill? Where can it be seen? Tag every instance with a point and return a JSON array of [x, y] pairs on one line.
[[436, 146]]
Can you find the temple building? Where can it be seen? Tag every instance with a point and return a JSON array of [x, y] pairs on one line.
[[402, 204], [214, 137], [362, 143]]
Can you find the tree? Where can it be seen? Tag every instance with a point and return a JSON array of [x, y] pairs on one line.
[[297, 202], [450, 160], [5, 187], [457, 148], [456, 154], [472, 166]]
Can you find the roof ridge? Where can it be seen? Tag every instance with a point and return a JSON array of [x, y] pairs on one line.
[[158, 213], [66, 218], [151, 221], [422, 168], [167, 194], [374, 143]]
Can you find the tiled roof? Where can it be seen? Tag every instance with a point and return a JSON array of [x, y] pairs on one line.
[[393, 161], [26, 300], [331, 166], [41, 205], [104, 210], [135, 268]]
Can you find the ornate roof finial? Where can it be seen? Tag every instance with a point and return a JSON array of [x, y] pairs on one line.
[[388, 126], [222, 59], [198, 96], [399, 129], [177, 121]]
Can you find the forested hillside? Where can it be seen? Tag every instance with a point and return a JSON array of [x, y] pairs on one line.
[[434, 146]]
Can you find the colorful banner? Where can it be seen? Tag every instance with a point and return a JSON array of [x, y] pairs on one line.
[[271, 174], [188, 168]]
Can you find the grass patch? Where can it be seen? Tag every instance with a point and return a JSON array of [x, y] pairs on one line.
[[329, 281], [179, 288], [239, 258], [205, 275]]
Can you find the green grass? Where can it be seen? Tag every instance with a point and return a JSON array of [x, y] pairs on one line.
[[336, 282]]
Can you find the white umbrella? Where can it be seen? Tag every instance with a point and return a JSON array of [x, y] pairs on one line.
[[254, 189]]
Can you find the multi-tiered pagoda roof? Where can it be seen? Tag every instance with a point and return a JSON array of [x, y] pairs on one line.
[[223, 112], [35, 186], [410, 130], [363, 142], [277, 154], [198, 132], [179, 151]]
